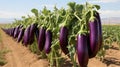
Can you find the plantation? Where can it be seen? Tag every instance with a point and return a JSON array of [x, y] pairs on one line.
[[73, 34]]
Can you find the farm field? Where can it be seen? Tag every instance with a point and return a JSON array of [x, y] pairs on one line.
[[63, 37], [21, 56]]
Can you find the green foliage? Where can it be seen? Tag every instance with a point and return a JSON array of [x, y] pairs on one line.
[[75, 18], [111, 34], [2, 58]]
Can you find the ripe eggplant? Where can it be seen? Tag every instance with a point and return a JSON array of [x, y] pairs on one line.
[[37, 33], [99, 28], [12, 32], [64, 39], [48, 41], [82, 50], [94, 38], [41, 39], [26, 36], [20, 35], [32, 31], [16, 32]]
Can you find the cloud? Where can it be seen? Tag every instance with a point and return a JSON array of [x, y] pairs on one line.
[[104, 1], [109, 13], [7, 14]]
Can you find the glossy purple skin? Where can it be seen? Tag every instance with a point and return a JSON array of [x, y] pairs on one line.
[[82, 50], [94, 38], [32, 30], [37, 33], [64, 39], [100, 29], [41, 39], [48, 41], [15, 32], [12, 32], [20, 35], [26, 36]]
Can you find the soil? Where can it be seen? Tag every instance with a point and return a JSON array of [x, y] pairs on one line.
[[20, 56]]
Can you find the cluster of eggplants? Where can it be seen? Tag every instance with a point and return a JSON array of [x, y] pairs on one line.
[[88, 45], [29, 33], [43, 36], [14, 32], [22, 34], [9, 31], [17, 30]]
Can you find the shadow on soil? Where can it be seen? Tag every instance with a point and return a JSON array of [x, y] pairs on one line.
[[110, 60], [115, 48]]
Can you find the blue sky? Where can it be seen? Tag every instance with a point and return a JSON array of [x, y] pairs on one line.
[[18, 8]]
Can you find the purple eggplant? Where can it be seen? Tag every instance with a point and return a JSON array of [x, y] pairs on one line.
[[20, 35], [16, 32], [26, 36], [12, 32], [64, 39], [41, 38], [99, 28], [82, 50], [32, 31], [37, 33], [94, 38], [48, 41]]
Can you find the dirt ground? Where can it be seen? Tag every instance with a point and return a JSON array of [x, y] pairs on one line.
[[20, 56]]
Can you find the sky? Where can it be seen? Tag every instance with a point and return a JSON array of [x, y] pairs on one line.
[[18, 8]]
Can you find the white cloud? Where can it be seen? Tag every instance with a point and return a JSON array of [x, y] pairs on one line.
[[7, 14], [110, 13], [104, 1]]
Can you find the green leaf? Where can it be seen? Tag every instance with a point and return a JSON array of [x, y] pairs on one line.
[[97, 7], [35, 11]]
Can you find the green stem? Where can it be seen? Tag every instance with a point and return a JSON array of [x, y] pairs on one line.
[[51, 59], [73, 61], [57, 60], [77, 17], [65, 22], [81, 29], [92, 16]]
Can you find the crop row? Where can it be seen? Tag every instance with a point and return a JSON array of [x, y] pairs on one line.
[[73, 31]]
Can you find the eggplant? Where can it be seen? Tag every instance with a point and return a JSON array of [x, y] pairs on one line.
[[26, 36], [63, 39], [16, 32], [32, 31], [20, 35], [82, 50], [41, 38], [94, 38], [12, 32], [99, 28], [48, 41], [37, 33]]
